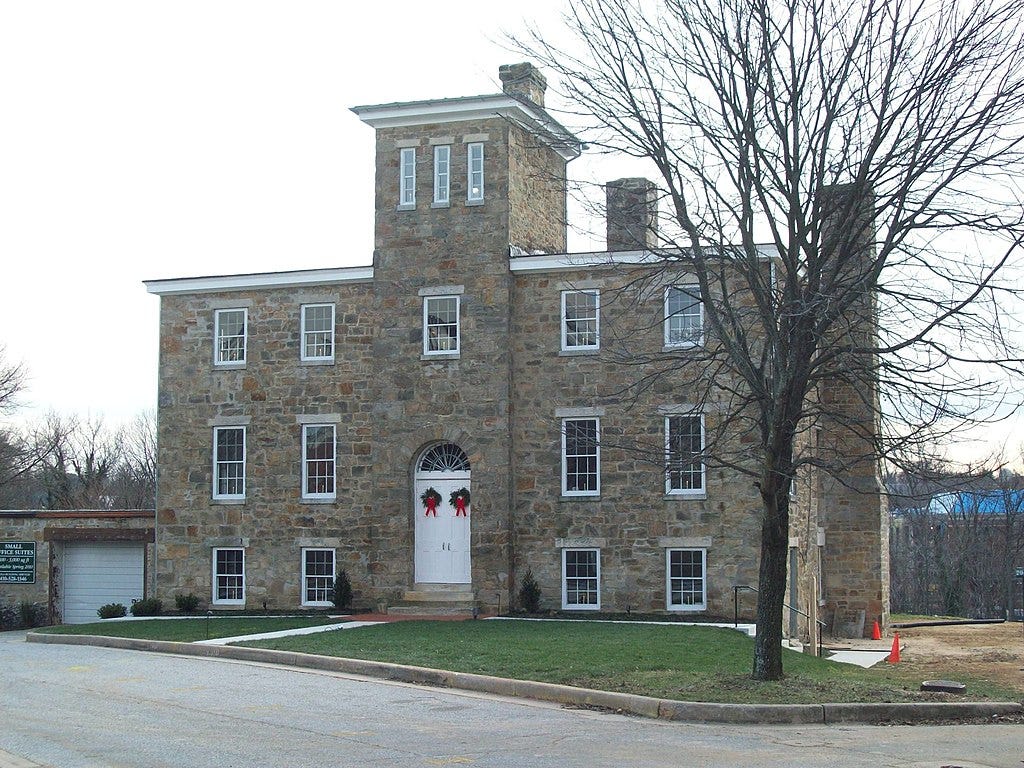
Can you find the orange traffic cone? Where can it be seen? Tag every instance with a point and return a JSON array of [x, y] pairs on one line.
[[894, 657], [876, 632]]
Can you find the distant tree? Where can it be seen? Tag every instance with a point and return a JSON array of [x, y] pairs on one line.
[[91, 467], [849, 138]]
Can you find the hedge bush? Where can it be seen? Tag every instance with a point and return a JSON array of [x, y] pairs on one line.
[[149, 606]]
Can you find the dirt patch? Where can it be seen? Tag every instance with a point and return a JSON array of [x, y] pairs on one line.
[[993, 652]]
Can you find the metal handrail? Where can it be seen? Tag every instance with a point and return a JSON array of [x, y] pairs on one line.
[[736, 610]]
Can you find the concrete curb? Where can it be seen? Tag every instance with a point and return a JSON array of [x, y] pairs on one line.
[[644, 706]]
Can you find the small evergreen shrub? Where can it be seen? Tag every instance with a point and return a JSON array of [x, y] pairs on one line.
[[186, 603], [529, 593], [342, 590], [149, 606], [111, 611], [31, 614]]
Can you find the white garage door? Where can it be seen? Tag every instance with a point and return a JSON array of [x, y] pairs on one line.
[[97, 573]]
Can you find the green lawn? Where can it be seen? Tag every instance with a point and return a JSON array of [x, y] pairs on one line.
[[674, 662], [685, 663], [188, 630]]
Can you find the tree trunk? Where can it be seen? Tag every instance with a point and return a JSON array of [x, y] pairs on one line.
[[772, 580]]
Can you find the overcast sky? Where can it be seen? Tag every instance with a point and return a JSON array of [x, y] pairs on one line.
[[144, 140]]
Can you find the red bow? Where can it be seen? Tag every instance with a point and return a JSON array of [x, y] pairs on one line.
[[431, 507], [460, 506]]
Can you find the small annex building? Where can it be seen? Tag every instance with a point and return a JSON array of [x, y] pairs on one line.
[[70, 562], [438, 422]]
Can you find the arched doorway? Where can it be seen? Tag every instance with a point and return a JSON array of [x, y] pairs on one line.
[[442, 526]]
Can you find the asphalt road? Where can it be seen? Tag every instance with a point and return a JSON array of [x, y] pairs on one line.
[[77, 706]]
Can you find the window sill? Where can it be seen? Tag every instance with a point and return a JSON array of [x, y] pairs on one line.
[[440, 205], [581, 607], [474, 203], [324, 500], [702, 496], [227, 502], [406, 207], [681, 347], [440, 356], [228, 366], [580, 352], [580, 497], [314, 362], [687, 608]]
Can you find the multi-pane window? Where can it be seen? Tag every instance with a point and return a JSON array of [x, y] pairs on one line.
[[581, 579], [684, 316], [442, 174], [318, 452], [580, 319], [475, 180], [317, 332], [229, 327], [581, 457], [407, 177], [685, 585], [684, 447], [440, 324], [229, 576], [229, 462], [317, 576]]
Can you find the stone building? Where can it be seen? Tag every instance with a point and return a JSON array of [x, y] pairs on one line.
[[441, 421]]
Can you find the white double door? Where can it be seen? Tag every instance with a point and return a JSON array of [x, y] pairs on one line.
[[442, 540]]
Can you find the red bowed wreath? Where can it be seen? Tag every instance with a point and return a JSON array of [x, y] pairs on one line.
[[460, 500], [431, 499]]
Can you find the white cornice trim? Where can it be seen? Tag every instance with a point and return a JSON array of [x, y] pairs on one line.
[[404, 114], [556, 262], [258, 281]]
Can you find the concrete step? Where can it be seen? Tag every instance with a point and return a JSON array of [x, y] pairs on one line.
[[426, 593], [432, 608]]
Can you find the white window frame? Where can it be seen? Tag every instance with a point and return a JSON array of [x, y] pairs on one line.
[[566, 346], [566, 605], [427, 301], [698, 339], [306, 461], [669, 489], [217, 576], [683, 607], [474, 167], [217, 463], [306, 576], [218, 351], [407, 177], [442, 174], [305, 334], [596, 491]]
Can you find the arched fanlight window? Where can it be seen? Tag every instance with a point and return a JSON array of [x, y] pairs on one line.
[[445, 457]]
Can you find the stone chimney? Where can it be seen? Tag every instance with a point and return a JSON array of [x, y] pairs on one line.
[[523, 81], [632, 213]]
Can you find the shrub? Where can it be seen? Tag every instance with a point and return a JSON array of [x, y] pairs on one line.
[[342, 590], [111, 611], [186, 603], [529, 593], [31, 614], [149, 606]]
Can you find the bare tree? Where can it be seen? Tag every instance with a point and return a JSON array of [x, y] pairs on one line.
[[20, 454], [846, 140], [134, 482]]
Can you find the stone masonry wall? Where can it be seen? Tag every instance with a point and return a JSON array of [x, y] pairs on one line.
[[462, 250], [267, 396], [634, 520]]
